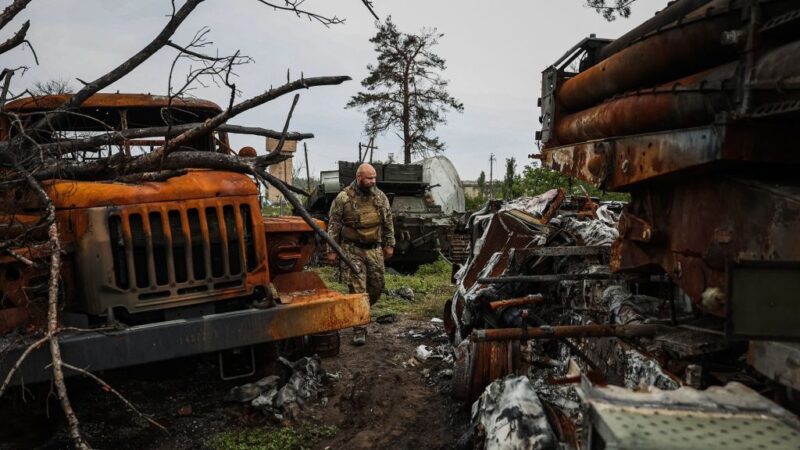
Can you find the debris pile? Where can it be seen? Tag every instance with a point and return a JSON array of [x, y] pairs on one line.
[[509, 415], [284, 400], [538, 310]]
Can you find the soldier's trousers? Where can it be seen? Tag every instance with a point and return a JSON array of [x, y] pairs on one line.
[[371, 271]]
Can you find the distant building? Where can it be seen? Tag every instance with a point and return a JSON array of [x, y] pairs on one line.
[[471, 188], [282, 170]]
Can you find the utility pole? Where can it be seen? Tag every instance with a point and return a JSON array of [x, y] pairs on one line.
[[491, 184], [369, 147], [308, 174]]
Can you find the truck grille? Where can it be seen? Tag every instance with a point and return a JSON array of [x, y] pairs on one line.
[[165, 251]]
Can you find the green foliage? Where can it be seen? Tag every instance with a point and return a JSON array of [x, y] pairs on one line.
[[512, 186], [430, 283], [272, 438], [482, 184], [621, 8], [405, 91], [537, 180], [474, 203], [330, 275]]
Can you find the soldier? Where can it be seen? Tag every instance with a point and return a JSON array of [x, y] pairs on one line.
[[360, 221]]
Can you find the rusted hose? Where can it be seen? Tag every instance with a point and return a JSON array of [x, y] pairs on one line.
[[565, 331], [518, 301]]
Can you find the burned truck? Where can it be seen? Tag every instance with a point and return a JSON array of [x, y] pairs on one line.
[[424, 229], [165, 268], [681, 305]]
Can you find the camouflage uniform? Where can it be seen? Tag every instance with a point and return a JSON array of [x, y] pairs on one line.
[[368, 257]]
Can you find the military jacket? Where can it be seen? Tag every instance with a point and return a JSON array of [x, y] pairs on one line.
[[361, 218]]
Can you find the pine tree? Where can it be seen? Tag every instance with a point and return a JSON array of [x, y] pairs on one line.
[[405, 91]]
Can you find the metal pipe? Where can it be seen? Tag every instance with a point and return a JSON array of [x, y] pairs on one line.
[[567, 277], [565, 331], [518, 301], [678, 50], [691, 101], [670, 14]]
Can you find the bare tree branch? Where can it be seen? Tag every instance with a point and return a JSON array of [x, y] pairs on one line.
[[18, 38], [368, 4], [126, 67], [52, 315], [11, 11], [19, 362], [117, 137], [122, 398], [6, 76], [279, 147], [290, 136], [293, 6], [272, 94]]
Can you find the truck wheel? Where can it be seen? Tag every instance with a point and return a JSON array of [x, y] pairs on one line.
[[325, 345], [477, 364]]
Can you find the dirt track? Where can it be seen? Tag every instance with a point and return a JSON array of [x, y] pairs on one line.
[[377, 402]]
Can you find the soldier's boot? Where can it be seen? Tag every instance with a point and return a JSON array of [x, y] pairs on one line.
[[359, 336]]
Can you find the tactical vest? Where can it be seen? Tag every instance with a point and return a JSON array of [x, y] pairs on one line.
[[361, 218]]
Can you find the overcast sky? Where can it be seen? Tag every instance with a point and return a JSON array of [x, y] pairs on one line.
[[495, 53]]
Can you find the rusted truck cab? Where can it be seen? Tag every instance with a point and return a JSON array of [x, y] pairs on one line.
[[176, 267]]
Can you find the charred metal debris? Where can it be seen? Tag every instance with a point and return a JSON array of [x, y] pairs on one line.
[[538, 313], [663, 309]]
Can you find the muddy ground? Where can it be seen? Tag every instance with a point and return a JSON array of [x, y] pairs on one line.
[[379, 401]]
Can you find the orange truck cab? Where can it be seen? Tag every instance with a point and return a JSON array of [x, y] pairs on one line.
[[177, 267]]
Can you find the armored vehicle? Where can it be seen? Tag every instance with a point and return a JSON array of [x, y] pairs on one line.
[[422, 229]]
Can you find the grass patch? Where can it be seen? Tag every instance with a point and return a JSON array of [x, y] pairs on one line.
[[431, 286], [272, 438], [275, 210]]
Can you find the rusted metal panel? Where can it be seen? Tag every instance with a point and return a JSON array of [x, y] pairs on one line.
[[196, 184], [708, 223], [168, 254], [588, 161], [11, 318], [762, 300], [622, 163], [294, 282], [288, 224]]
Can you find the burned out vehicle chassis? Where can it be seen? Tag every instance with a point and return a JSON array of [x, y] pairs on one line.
[[692, 288], [157, 269]]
